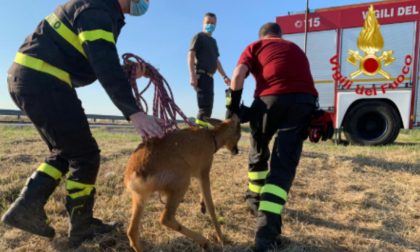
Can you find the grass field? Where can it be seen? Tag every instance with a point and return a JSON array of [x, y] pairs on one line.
[[344, 198]]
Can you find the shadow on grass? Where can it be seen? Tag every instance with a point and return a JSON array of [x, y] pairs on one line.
[[118, 241], [378, 234], [360, 160], [186, 245]]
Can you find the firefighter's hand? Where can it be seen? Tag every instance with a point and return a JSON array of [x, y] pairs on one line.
[[147, 126], [314, 134], [194, 80], [140, 70], [226, 80], [321, 126]]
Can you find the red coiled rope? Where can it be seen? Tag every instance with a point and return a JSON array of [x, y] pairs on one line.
[[164, 106]]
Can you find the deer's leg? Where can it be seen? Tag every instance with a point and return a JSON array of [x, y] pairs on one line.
[[202, 204], [138, 202], [168, 217], [205, 188]]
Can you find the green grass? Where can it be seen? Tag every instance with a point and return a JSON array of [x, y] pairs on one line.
[[410, 135]]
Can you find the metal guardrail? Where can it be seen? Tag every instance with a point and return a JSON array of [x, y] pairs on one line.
[[92, 117]]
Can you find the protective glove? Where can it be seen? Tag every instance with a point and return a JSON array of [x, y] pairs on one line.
[[245, 113], [321, 126], [147, 126], [233, 99]]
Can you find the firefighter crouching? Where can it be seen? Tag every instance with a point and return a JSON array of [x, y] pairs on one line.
[[284, 101], [71, 48]]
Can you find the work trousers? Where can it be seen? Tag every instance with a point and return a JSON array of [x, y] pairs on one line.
[[287, 117], [205, 96], [57, 114]]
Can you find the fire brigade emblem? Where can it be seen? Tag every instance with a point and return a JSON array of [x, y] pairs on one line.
[[370, 41]]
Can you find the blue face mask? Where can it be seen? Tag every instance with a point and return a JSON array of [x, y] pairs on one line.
[[138, 8], [210, 28]]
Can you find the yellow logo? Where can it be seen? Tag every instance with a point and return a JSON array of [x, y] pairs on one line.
[[370, 41]]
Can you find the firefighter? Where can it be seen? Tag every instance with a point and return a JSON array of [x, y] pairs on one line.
[[203, 61], [284, 100], [72, 47]]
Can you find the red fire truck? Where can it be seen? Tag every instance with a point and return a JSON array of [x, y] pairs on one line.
[[364, 60]]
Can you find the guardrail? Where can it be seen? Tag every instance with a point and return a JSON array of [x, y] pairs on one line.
[[91, 117]]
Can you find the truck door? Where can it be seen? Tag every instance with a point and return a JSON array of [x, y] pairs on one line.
[[321, 46]]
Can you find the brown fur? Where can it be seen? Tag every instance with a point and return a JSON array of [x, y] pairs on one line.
[[166, 165]]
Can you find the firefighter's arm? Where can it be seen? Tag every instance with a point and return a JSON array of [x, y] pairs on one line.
[[234, 93], [94, 29], [191, 67], [238, 78], [194, 47], [222, 72]]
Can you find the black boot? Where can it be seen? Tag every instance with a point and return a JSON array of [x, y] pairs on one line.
[[268, 232], [27, 212], [266, 245], [82, 224]]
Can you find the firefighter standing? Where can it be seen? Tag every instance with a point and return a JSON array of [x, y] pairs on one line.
[[284, 100], [203, 61], [71, 48]]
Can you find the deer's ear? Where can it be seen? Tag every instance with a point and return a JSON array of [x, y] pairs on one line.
[[235, 119], [214, 122]]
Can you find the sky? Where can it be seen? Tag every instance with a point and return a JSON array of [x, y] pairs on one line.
[[161, 37]]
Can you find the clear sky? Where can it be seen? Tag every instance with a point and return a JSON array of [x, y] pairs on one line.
[[161, 37]]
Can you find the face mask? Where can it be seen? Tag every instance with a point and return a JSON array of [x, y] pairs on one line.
[[210, 28], [138, 8]]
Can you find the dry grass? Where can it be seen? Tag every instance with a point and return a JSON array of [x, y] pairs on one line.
[[345, 198]]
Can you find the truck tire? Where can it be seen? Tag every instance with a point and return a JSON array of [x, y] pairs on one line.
[[372, 123]]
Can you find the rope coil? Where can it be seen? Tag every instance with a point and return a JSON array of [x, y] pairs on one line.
[[164, 106]]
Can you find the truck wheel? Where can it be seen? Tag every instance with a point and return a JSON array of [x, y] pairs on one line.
[[372, 123]]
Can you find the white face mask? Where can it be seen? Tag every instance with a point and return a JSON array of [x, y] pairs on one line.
[[138, 8]]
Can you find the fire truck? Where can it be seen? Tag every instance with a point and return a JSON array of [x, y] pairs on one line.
[[364, 60]]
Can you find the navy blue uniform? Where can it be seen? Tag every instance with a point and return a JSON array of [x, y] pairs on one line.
[[207, 54], [72, 47]]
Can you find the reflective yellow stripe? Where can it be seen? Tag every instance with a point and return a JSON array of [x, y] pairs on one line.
[[95, 35], [50, 171], [273, 189], [203, 123], [85, 189], [65, 32], [228, 100], [270, 207], [254, 188], [257, 175], [42, 66]]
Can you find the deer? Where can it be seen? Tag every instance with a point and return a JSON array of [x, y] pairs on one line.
[[167, 165]]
